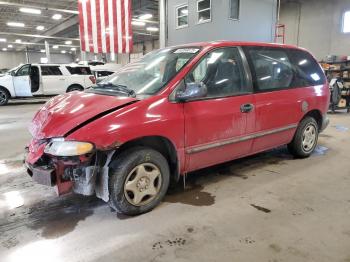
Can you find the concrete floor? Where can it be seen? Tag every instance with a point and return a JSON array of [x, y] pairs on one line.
[[268, 207]]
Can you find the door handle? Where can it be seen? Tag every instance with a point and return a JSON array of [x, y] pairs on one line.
[[246, 108]]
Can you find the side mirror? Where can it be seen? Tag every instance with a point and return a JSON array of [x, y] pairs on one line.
[[192, 91], [13, 73]]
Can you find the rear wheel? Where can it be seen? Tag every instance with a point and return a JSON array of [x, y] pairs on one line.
[[305, 138], [4, 96], [75, 88], [139, 180]]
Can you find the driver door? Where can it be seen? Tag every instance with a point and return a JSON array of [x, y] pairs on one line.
[[217, 127], [22, 82]]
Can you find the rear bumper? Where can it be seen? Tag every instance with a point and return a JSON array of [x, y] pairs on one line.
[[325, 122]]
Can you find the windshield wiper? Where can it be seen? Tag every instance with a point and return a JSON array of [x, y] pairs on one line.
[[118, 88]]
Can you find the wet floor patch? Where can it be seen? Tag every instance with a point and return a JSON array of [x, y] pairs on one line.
[[320, 150], [53, 219], [341, 128], [192, 194], [260, 208]]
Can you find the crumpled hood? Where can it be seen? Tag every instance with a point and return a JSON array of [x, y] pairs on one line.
[[65, 112]]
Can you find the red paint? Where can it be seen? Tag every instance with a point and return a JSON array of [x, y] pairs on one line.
[[186, 125]]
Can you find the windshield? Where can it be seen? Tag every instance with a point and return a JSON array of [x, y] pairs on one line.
[[150, 74]]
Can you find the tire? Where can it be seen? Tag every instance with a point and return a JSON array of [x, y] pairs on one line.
[[4, 96], [305, 138], [134, 171], [74, 88]]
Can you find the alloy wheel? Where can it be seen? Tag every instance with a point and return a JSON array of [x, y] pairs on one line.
[[3, 97]]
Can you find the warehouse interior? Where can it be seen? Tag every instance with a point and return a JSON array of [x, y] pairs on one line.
[[225, 188]]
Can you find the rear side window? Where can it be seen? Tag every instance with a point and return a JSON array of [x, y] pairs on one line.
[[50, 71], [76, 70], [307, 71], [272, 67]]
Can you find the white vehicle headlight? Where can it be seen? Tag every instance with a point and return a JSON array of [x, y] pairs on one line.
[[68, 148]]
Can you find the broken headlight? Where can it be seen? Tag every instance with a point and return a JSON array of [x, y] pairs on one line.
[[59, 147]]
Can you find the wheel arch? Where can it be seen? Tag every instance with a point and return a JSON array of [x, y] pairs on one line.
[[161, 144], [317, 115]]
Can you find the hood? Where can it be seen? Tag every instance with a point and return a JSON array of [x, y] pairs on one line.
[[73, 110]]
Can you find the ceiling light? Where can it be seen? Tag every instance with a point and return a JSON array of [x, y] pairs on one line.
[[57, 16], [42, 51], [73, 49], [15, 24], [4, 49], [3, 40], [63, 51], [152, 29], [145, 16], [184, 11], [68, 42], [18, 41], [40, 28], [10, 46], [30, 10], [138, 23], [55, 47]]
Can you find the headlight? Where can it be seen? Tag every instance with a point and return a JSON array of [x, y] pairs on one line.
[[68, 148]]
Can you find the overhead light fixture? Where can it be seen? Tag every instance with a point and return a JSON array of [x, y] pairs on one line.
[[40, 27], [10, 46], [138, 23], [68, 42], [15, 24], [42, 51], [18, 41], [184, 11], [57, 16], [73, 49], [63, 51], [152, 29], [145, 16], [3, 39], [4, 49], [55, 47], [30, 10]]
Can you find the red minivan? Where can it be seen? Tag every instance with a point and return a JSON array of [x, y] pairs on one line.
[[174, 111]]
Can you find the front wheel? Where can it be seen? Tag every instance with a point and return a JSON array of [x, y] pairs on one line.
[[139, 180], [4, 96], [305, 138]]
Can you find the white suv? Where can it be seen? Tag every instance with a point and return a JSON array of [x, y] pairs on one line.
[[44, 79]]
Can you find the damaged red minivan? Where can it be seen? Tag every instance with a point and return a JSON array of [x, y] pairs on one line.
[[177, 110]]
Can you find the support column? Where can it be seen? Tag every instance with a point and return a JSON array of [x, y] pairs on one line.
[[162, 24], [47, 51]]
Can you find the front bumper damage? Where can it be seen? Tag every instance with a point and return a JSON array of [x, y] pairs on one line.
[[86, 175]]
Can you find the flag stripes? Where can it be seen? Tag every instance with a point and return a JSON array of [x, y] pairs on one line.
[[105, 26]]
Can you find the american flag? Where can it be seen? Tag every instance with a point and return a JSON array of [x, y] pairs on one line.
[[105, 26]]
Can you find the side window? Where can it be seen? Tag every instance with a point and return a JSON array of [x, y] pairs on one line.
[[204, 11], [181, 16], [307, 71], [79, 70], [272, 67], [234, 9], [23, 71], [50, 71], [222, 72]]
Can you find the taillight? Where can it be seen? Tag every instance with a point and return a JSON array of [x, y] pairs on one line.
[[93, 79]]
